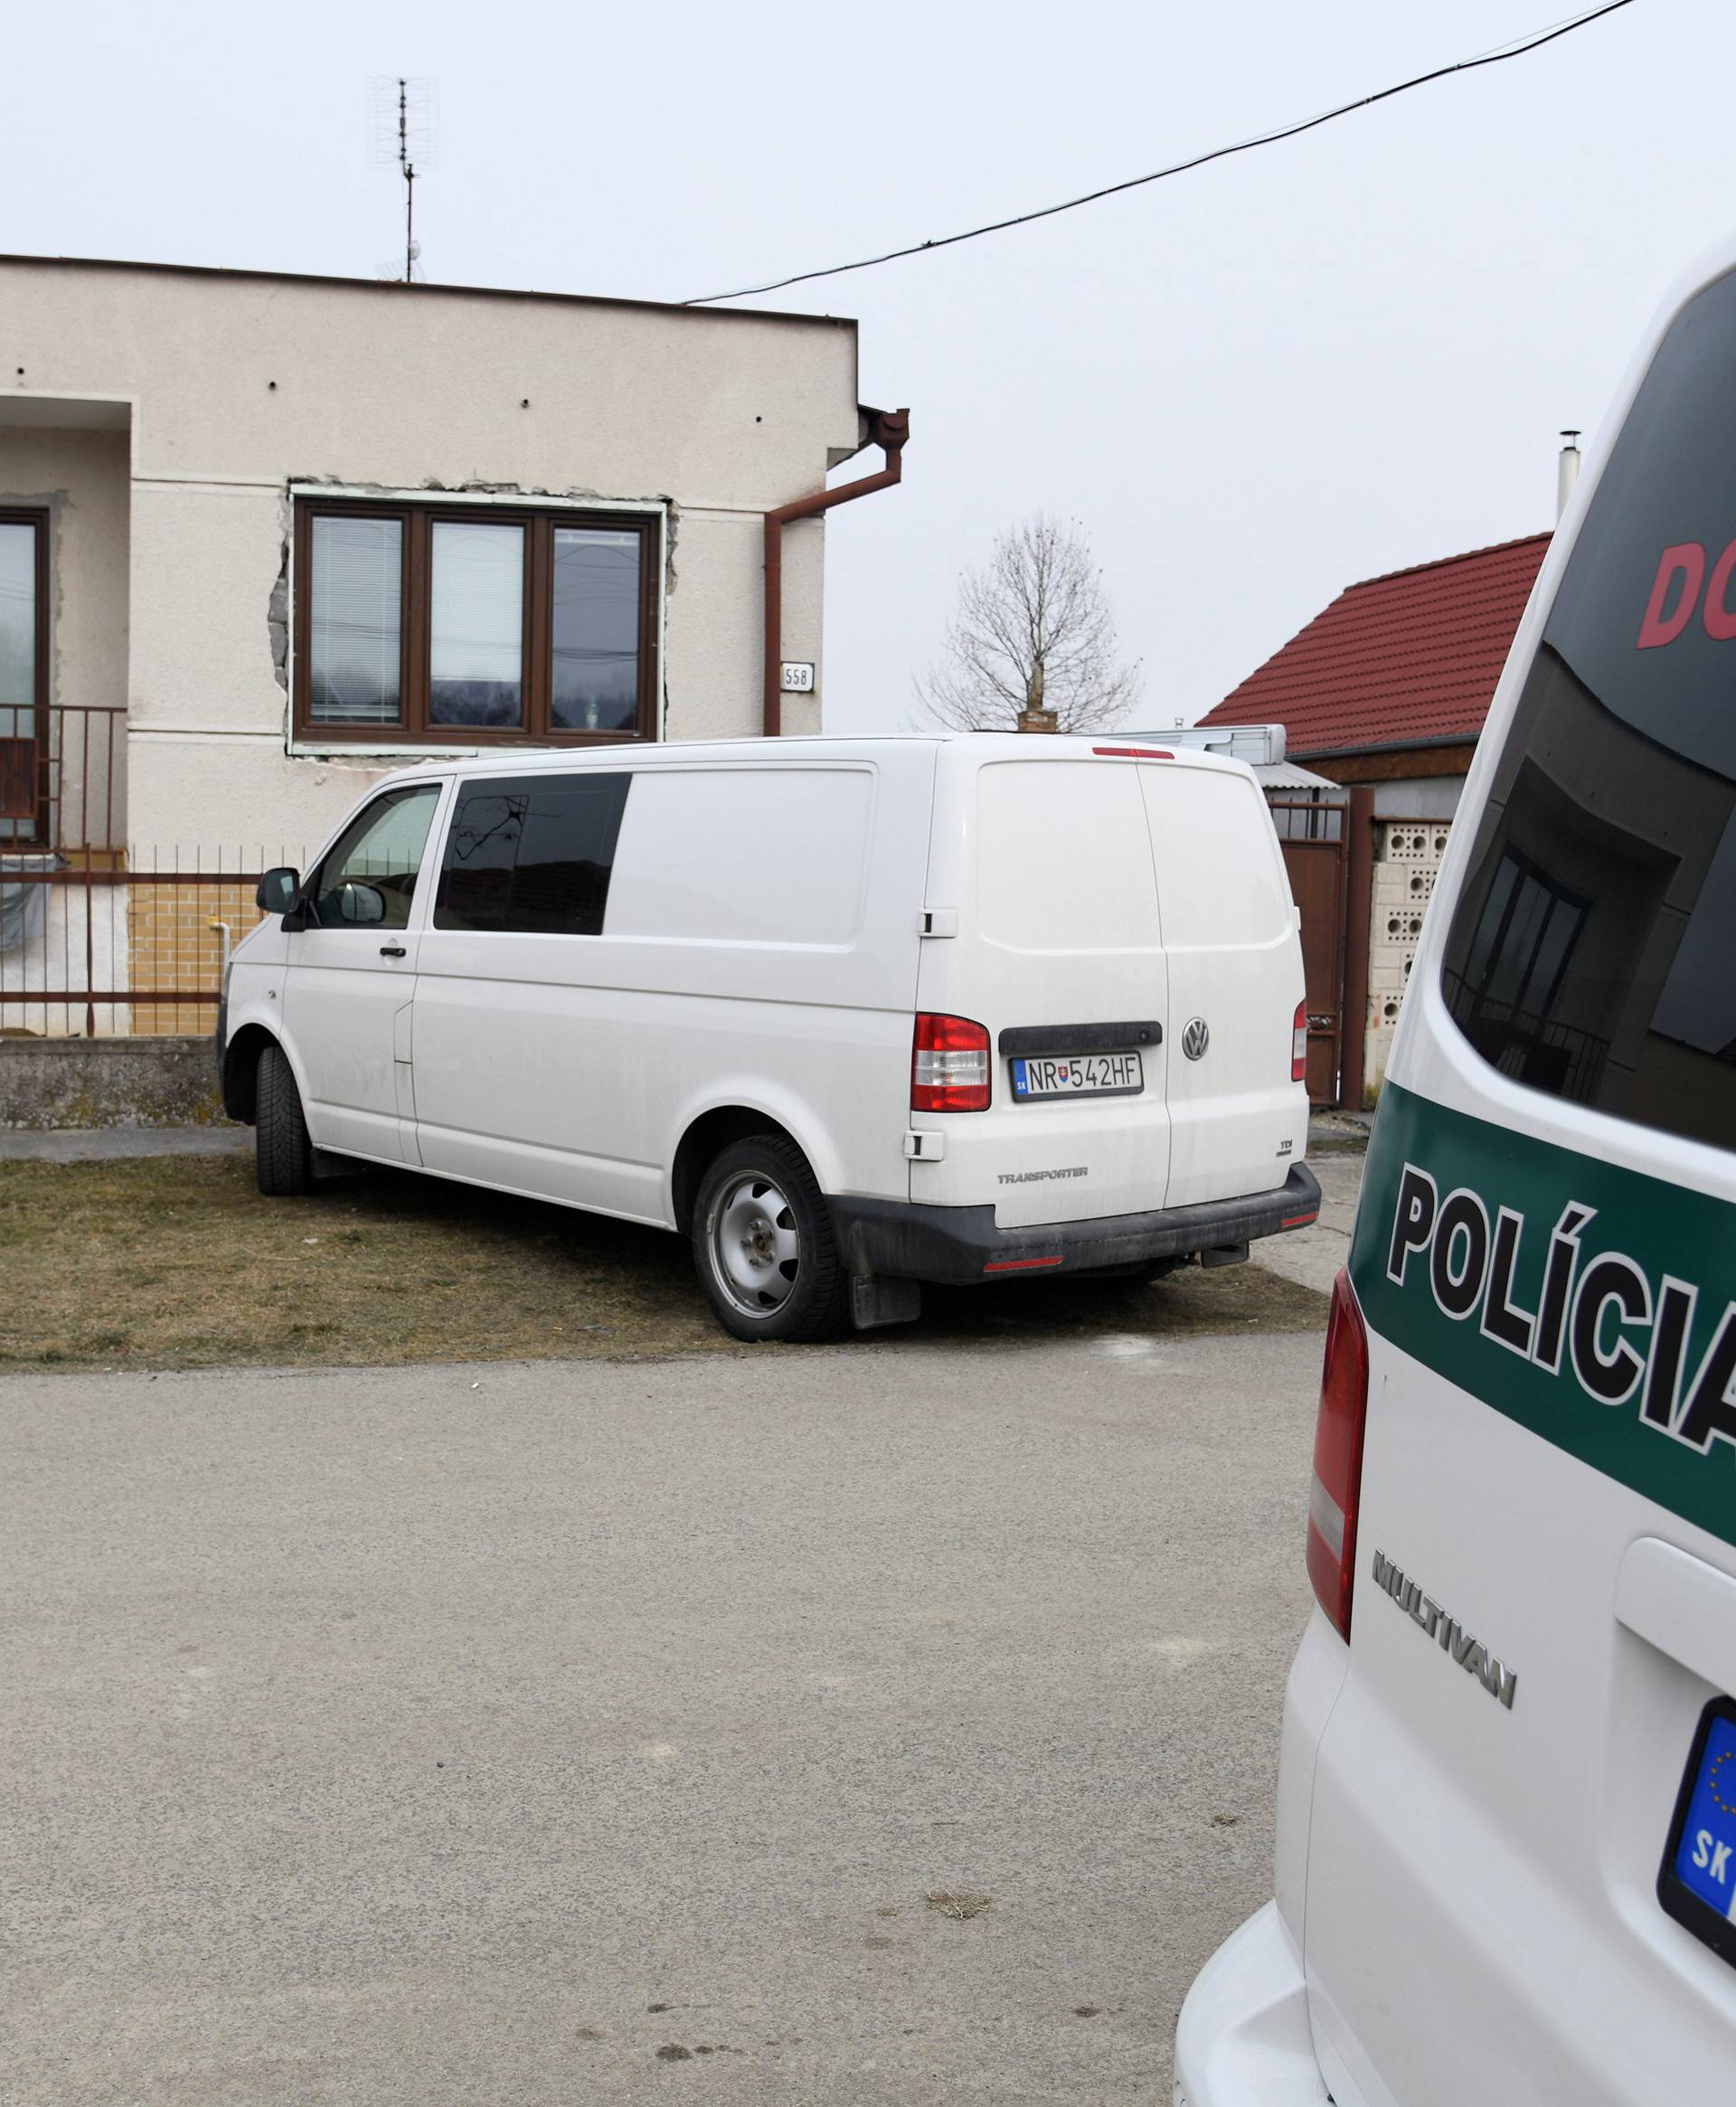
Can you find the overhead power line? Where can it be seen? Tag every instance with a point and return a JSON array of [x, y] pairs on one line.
[[1498, 56]]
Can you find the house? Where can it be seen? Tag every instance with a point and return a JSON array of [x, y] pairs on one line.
[[265, 537], [1391, 683]]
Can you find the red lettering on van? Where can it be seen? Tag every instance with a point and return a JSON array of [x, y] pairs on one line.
[[1721, 622], [1686, 560]]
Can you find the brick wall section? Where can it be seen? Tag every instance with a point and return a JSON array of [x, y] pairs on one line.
[[173, 946], [1407, 860]]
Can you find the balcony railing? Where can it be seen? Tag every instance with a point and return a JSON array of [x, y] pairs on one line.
[[1531, 1049]]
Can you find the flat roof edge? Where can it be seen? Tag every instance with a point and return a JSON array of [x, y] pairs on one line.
[[423, 288]]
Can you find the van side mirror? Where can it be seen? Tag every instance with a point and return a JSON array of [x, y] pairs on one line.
[[276, 888]]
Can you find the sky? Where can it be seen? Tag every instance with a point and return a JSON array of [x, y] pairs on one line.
[[1251, 385]]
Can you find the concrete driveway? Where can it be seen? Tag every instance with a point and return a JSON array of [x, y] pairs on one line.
[[1312, 1257], [546, 1734]]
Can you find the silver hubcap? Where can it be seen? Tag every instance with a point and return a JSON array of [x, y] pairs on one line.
[[756, 1250]]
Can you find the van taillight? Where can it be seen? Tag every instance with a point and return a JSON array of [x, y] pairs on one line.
[[1299, 1044], [1338, 1456], [949, 1065]]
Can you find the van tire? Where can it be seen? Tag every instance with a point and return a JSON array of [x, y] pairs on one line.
[[735, 1210], [283, 1156]]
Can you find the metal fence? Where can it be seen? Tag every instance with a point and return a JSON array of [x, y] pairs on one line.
[[98, 937], [1308, 819]]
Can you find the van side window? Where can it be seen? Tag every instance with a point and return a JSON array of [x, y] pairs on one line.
[[531, 853], [1591, 952], [368, 880]]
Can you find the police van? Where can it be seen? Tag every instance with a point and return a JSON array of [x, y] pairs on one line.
[[1506, 1866]]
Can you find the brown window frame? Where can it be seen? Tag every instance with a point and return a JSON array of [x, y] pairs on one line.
[[37, 516], [536, 660]]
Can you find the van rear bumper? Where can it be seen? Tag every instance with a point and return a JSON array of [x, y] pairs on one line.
[[961, 1244], [1243, 2038]]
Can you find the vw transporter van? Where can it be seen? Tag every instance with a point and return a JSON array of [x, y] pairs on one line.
[[1507, 1819], [852, 1015]]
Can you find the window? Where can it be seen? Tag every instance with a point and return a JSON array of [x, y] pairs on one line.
[[532, 854], [1519, 948], [368, 879], [1590, 955], [24, 670], [430, 623], [356, 625]]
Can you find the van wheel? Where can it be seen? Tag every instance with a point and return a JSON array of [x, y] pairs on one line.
[[283, 1156], [763, 1244]]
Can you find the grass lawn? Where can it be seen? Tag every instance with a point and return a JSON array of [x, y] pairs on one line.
[[179, 1262]]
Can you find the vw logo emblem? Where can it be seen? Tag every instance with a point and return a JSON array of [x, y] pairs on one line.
[[1195, 1038]]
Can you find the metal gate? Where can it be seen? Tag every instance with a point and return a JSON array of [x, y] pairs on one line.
[[1313, 838]]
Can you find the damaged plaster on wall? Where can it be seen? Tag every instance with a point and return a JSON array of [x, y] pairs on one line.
[[277, 609]]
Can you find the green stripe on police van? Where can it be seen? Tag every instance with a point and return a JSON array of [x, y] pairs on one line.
[[1586, 1302]]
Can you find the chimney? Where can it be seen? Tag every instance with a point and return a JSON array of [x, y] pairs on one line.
[[1567, 471], [1039, 720]]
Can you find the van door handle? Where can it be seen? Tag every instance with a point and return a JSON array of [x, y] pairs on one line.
[[392, 951], [1681, 1605]]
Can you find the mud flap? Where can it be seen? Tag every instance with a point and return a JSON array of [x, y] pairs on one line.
[[1223, 1254], [879, 1299]]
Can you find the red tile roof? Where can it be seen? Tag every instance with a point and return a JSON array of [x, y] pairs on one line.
[[1412, 656]]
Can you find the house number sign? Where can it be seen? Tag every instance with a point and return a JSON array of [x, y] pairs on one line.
[[798, 677]]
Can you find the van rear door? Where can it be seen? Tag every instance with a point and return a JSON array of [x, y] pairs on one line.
[[1040, 864], [1238, 1120]]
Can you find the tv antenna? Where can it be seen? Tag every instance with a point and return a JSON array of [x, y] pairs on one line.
[[404, 129]]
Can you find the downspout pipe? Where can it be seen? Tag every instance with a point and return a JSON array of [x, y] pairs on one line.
[[888, 429]]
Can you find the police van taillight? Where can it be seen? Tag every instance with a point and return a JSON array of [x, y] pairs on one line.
[[949, 1065], [1338, 1456]]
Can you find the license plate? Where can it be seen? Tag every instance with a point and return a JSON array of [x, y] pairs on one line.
[[1697, 1881], [1079, 1075]]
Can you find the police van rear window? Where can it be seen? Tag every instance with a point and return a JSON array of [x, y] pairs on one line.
[[1593, 950]]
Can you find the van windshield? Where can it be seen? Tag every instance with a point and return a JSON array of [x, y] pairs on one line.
[[1593, 951]]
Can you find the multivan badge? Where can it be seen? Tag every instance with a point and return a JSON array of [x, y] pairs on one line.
[[1497, 1679]]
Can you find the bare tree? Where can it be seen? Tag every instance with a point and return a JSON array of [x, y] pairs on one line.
[[1032, 631]]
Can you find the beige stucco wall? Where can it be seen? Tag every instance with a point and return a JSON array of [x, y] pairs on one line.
[[243, 387]]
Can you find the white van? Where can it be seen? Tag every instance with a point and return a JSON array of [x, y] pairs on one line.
[[1507, 1801], [852, 1014]]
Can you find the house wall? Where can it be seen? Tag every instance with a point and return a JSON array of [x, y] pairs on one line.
[[1421, 797], [1407, 860], [243, 387]]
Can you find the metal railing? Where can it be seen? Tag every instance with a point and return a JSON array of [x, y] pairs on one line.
[[1559, 1058], [1301, 819], [98, 937]]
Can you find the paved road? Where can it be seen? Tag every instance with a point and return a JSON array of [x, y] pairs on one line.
[[573, 1731], [1312, 1256]]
